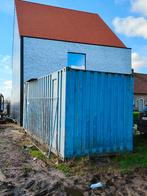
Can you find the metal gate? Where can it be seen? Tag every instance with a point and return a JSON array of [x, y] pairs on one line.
[[41, 110]]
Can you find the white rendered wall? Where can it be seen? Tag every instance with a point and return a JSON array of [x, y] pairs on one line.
[[42, 57], [15, 96]]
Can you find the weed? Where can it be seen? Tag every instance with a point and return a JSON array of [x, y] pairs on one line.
[[64, 168], [37, 154], [26, 169], [2, 142]]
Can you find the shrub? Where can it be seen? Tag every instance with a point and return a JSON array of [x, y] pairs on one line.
[[135, 116]]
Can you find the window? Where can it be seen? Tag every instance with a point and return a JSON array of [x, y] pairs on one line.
[[77, 60]]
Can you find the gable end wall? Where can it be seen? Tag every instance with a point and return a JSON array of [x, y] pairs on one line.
[[42, 57]]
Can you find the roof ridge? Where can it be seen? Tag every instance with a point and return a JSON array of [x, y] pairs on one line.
[[25, 1], [140, 73]]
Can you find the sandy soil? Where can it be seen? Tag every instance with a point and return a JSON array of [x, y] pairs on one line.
[[21, 175]]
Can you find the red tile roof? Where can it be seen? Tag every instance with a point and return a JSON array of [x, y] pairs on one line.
[[42, 21], [140, 83]]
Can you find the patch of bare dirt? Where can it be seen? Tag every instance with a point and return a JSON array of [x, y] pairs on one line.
[[21, 175]]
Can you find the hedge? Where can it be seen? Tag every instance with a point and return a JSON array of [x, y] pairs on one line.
[[135, 116]]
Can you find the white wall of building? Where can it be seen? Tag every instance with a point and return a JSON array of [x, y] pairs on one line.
[[43, 56]]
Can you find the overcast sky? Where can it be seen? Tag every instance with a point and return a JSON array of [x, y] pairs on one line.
[[127, 18]]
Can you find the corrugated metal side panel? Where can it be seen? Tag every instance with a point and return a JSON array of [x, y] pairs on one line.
[[44, 114], [99, 110]]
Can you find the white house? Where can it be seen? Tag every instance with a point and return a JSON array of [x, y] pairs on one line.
[[47, 38]]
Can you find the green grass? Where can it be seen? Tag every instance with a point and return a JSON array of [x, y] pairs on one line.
[[123, 163], [61, 166], [37, 154], [64, 168], [130, 161]]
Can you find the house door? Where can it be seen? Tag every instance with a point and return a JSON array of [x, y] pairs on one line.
[[54, 114], [140, 104]]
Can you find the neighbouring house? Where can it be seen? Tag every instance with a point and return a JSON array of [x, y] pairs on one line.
[[140, 91], [47, 38]]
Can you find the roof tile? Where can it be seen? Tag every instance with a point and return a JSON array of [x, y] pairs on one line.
[[42, 21], [140, 83]]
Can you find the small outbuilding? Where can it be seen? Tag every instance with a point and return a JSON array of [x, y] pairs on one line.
[[76, 113]]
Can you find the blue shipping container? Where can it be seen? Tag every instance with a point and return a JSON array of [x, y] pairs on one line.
[[76, 113]]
